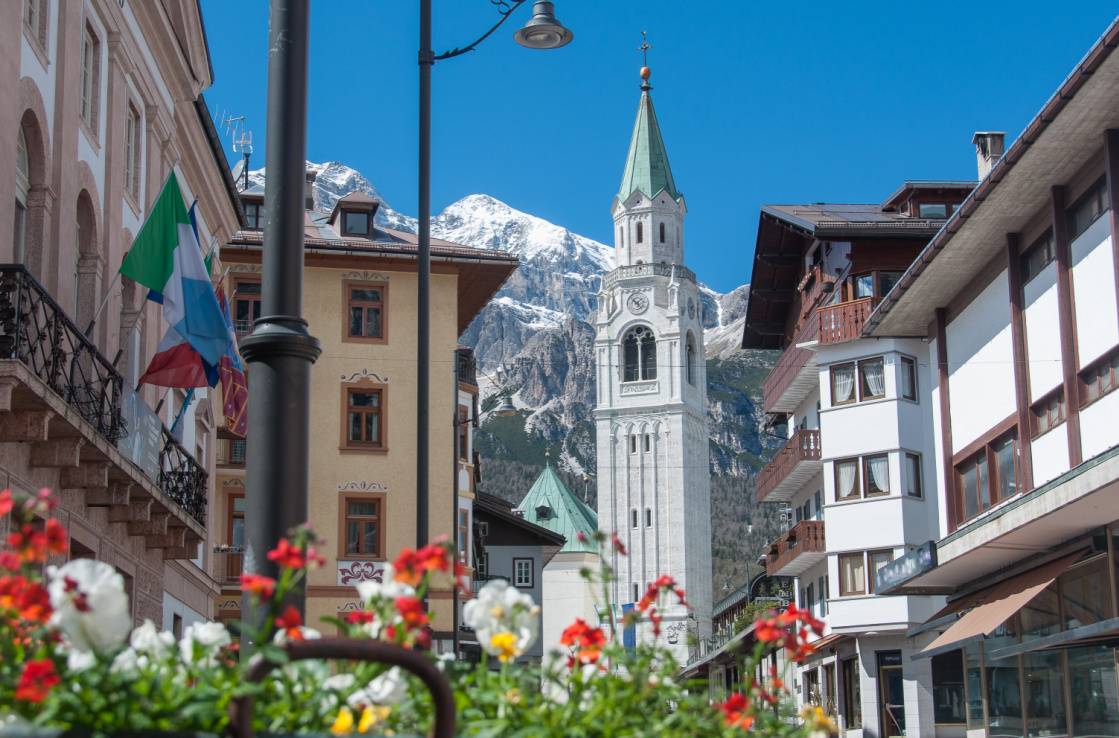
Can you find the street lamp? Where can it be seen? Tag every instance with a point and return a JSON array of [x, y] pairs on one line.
[[543, 31]]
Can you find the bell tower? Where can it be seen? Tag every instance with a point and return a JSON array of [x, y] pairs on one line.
[[651, 422]]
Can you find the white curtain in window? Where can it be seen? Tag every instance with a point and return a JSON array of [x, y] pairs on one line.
[[846, 480], [852, 573], [879, 469], [844, 385], [872, 370]]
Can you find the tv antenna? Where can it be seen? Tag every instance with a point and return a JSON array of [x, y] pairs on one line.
[[242, 140]]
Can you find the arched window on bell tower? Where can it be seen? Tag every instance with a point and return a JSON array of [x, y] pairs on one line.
[[640, 232], [690, 360], [662, 233], [639, 355]]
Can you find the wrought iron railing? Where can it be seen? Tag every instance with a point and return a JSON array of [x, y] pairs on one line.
[[35, 331], [467, 366]]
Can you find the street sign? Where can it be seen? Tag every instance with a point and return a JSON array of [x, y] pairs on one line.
[[899, 571]]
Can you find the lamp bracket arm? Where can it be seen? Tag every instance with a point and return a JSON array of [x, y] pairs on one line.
[[505, 9]]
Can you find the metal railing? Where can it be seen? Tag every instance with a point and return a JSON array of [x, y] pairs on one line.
[[803, 446], [467, 366], [229, 563], [37, 332]]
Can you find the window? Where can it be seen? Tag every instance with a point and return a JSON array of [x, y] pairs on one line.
[[852, 574], [90, 78], [913, 475], [864, 286], [818, 496], [482, 566], [463, 434], [648, 443], [132, 152], [1038, 256], [690, 360], [246, 306], [636, 592], [662, 232], [1100, 377], [852, 702], [948, 688], [35, 20], [621, 236], [876, 475], [362, 527], [908, 378], [886, 282], [177, 625], [1091, 205], [355, 223], [522, 573], [935, 210], [876, 560], [639, 348], [809, 600], [1048, 412], [633, 518], [364, 427], [847, 479], [648, 517], [822, 594], [872, 384], [23, 188], [237, 448], [987, 477], [842, 384], [463, 535], [633, 444], [254, 214], [365, 306], [640, 232]]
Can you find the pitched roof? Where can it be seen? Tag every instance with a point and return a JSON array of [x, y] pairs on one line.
[[647, 166], [550, 504]]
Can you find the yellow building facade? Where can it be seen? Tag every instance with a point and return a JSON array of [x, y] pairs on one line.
[[360, 300]]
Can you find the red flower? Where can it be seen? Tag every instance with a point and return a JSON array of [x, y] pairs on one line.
[[412, 611], [80, 599], [736, 711], [767, 630], [36, 680], [291, 623], [586, 641], [581, 537], [57, 539], [261, 586], [6, 502], [411, 566], [29, 599], [287, 555], [656, 620], [9, 560], [360, 617], [617, 544]]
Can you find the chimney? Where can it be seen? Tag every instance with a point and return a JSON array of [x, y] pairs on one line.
[[309, 190], [989, 148]]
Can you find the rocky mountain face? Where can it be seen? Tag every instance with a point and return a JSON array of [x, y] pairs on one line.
[[535, 341]]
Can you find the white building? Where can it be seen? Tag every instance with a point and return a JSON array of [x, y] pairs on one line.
[[653, 473], [949, 400]]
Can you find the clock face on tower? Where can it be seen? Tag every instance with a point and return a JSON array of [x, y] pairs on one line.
[[638, 303]]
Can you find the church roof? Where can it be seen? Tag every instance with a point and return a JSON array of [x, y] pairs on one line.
[[550, 504], [647, 166]]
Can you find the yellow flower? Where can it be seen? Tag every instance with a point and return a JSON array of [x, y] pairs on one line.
[[370, 716], [513, 696], [816, 719], [344, 723], [505, 644]]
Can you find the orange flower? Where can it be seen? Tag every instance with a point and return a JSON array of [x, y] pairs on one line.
[[767, 630], [411, 566], [587, 641], [736, 712], [291, 622], [36, 680], [412, 611], [261, 586]]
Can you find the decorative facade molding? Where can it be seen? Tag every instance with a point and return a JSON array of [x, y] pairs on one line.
[[364, 375], [363, 486], [352, 572], [365, 276], [239, 267], [640, 388], [232, 482]]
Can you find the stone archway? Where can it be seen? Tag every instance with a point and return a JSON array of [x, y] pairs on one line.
[[88, 262], [34, 196]]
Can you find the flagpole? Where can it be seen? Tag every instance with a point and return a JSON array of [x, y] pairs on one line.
[[104, 302]]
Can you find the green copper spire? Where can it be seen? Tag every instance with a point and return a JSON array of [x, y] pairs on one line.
[[549, 503], [647, 166]]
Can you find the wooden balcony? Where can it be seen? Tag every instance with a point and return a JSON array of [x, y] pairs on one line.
[[794, 375], [844, 322], [799, 549], [793, 465]]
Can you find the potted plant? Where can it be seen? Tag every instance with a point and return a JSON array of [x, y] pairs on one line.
[[71, 662]]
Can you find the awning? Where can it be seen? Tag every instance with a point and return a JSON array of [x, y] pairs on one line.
[[994, 606], [822, 644]]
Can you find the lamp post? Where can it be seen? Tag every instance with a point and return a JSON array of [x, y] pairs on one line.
[[280, 351], [543, 31]]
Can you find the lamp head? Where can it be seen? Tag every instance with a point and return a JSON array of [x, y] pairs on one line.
[[543, 30], [505, 408]]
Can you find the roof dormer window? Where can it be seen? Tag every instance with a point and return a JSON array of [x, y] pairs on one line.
[[355, 223]]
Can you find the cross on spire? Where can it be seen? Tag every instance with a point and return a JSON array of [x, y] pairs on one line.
[[644, 48]]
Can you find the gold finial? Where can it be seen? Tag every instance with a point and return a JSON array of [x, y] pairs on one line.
[[644, 49]]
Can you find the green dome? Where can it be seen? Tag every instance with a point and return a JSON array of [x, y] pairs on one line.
[[550, 504]]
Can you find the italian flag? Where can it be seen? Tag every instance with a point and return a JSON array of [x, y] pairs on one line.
[[167, 259]]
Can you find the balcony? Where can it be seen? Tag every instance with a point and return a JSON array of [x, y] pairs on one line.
[[796, 463], [794, 376], [466, 366], [844, 322], [67, 405], [801, 548]]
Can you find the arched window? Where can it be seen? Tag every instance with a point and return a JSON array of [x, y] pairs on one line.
[[639, 349], [662, 232], [690, 360], [621, 236], [640, 232], [23, 186]]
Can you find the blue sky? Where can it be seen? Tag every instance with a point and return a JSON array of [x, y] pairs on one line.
[[759, 102]]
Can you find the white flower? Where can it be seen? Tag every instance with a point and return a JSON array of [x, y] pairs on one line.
[[388, 689], [308, 634], [147, 640], [367, 589], [206, 639], [90, 604], [339, 682], [80, 660], [127, 662], [506, 621]]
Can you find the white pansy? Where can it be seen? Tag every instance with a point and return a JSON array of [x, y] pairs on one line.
[[368, 589], [90, 604], [147, 640], [339, 682], [499, 608], [207, 639], [127, 662], [79, 660], [389, 688]]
